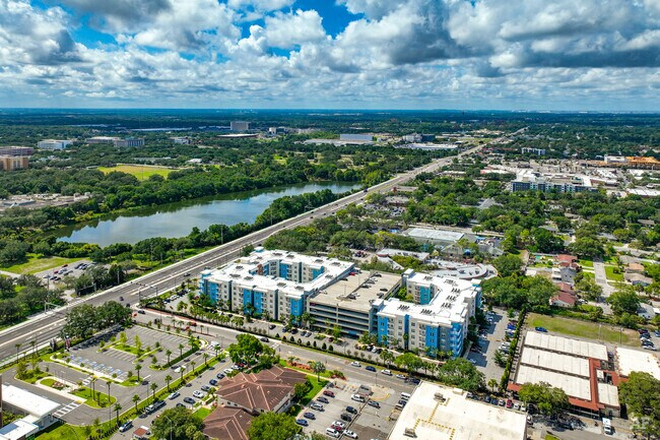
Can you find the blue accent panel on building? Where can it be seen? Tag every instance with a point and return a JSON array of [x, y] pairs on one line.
[[247, 298], [317, 273], [212, 291], [424, 295], [284, 270], [383, 324], [296, 307], [258, 298], [431, 338]]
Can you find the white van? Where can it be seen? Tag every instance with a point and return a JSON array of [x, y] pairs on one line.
[[607, 426], [405, 396], [332, 432]]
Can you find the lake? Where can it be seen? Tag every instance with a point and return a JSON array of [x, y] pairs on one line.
[[177, 219]]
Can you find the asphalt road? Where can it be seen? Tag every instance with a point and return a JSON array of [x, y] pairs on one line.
[[44, 327]]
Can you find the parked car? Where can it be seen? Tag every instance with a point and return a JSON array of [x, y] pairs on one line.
[[357, 398], [400, 376], [541, 329], [189, 400], [350, 434], [206, 388], [126, 426], [213, 382], [174, 395], [322, 399], [373, 403], [272, 326], [501, 402], [509, 403], [355, 364], [351, 410], [386, 372], [265, 339], [346, 417], [198, 394], [302, 422], [317, 406], [370, 368], [220, 376], [338, 423], [328, 393], [309, 415]]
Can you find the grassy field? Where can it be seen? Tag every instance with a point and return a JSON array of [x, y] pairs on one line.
[[61, 432], [586, 263], [38, 264], [584, 329], [139, 171], [609, 273], [86, 393], [203, 412]]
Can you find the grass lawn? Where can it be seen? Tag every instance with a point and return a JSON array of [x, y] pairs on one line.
[[316, 387], [584, 329], [86, 393], [33, 377], [609, 273], [139, 171], [37, 264], [202, 412], [586, 263], [551, 437], [63, 431]]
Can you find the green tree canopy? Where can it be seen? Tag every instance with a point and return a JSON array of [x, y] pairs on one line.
[[641, 395], [461, 373], [272, 426], [177, 421], [624, 300], [508, 265], [548, 399]]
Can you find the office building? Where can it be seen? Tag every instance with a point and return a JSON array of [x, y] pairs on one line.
[[101, 140], [14, 163], [181, 140], [37, 411], [54, 144], [15, 151], [239, 126], [356, 138], [128, 142], [438, 317], [272, 283], [529, 180], [437, 412]]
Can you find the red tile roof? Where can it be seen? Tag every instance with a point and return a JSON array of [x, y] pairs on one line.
[[227, 424], [565, 298], [565, 258], [262, 391]]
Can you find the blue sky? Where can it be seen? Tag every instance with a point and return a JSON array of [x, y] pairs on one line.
[[366, 54]]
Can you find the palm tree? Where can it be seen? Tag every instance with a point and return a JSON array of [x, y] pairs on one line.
[[136, 399], [117, 409], [193, 363], [18, 347], [33, 343], [180, 350], [138, 367], [168, 379], [168, 353], [206, 357], [492, 384], [318, 368], [154, 387]]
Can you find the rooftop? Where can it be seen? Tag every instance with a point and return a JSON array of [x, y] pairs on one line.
[[18, 430], [358, 291], [434, 234], [456, 418], [28, 402], [554, 361], [227, 423], [572, 386], [637, 360], [560, 344]]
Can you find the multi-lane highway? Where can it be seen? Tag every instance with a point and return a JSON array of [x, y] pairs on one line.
[[44, 327]]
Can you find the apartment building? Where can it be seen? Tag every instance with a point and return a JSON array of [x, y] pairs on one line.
[[54, 144]]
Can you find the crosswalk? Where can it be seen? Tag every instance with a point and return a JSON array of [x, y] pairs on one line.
[[66, 410]]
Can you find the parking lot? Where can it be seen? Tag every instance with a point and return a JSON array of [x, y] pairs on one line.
[[369, 422], [56, 274], [489, 341]]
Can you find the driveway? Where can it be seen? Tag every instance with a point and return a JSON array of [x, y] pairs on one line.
[[601, 278]]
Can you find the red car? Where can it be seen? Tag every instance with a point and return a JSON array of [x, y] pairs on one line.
[[509, 403], [328, 393]]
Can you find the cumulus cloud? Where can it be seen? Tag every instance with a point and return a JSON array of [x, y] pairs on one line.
[[406, 53]]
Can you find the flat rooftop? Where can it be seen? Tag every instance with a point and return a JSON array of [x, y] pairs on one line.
[[572, 386], [357, 291], [28, 402], [456, 418], [553, 361], [560, 344], [637, 360], [434, 234]]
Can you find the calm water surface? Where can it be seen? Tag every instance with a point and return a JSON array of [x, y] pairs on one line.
[[178, 219]]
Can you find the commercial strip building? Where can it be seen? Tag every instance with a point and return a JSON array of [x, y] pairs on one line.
[[436, 412], [583, 369], [246, 395], [279, 284], [54, 144]]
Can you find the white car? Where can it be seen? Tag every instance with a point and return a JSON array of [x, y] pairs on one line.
[[174, 395], [350, 434], [227, 371], [198, 394], [357, 398], [400, 376], [356, 364], [386, 372], [338, 423]]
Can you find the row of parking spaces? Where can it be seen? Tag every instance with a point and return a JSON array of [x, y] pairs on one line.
[[98, 367], [350, 410]]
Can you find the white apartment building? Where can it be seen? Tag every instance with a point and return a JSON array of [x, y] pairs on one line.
[[54, 144]]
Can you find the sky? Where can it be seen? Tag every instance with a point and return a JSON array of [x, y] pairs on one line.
[[598, 55]]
